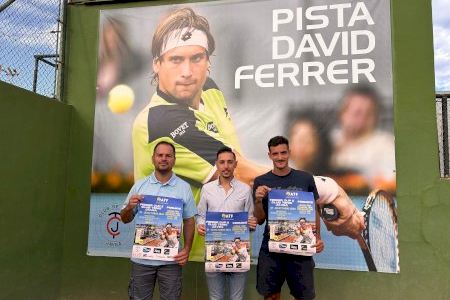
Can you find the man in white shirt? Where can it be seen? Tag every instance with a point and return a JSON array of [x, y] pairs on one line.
[[225, 194]]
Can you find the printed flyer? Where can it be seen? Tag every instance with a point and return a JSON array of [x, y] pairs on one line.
[[227, 242], [158, 227], [292, 224]]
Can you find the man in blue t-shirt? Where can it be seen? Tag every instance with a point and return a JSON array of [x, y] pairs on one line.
[[274, 268], [162, 182]]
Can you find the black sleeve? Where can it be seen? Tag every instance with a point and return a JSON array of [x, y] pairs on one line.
[[178, 123]]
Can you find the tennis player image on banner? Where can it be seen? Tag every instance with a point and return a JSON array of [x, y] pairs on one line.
[[158, 228], [235, 73], [292, 222], [227, 242]]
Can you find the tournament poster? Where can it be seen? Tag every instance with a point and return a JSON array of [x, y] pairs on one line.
[[227, 242], [292, 222], [158, 228]]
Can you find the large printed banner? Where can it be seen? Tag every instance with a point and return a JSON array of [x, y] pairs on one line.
[[237, 73]]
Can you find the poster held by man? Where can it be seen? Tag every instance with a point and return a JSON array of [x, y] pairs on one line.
[[227, 242], [292, 222], [158, 227]]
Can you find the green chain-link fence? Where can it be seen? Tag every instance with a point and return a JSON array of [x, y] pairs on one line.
[[30, 44]]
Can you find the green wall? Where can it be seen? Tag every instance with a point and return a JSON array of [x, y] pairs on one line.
[[423, 198], [34, 151]]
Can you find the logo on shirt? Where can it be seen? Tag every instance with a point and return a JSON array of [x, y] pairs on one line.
[[180, 130], [211, 127]]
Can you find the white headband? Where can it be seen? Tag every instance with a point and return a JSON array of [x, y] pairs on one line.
[[186, 36]]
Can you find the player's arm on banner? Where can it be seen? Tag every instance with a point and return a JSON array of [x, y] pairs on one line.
[[246, 170], [350, 221]]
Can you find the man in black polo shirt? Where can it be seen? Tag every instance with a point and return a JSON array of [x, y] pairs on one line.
[[274, 268]]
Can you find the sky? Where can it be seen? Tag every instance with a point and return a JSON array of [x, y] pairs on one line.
[[28, 24], [441, 37], [27, 28]]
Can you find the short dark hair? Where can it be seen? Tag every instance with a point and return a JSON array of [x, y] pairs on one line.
[[277, 140], [164, 143], [225, 149]]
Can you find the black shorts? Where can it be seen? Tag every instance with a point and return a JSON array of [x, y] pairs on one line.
[[274, 268]]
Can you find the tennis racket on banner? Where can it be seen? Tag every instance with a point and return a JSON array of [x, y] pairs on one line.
[[379, 241]]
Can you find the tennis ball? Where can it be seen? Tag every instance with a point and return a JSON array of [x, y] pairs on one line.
[[121, 99]]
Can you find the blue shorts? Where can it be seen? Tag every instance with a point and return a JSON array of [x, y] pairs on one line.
[[274, 268]]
